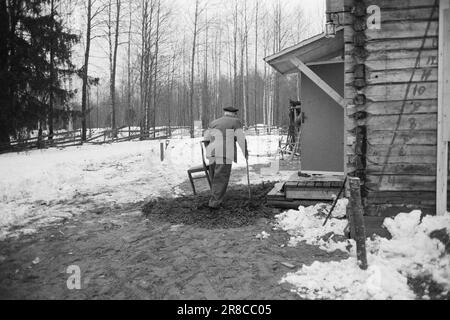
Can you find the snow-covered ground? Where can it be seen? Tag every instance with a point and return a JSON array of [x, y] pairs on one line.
[[411, 253], [44, 186]]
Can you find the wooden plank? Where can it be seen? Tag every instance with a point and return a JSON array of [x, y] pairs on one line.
[[403, 4], [406, 122], [408, 137], [401, 53], [396, 107], [400, 150], [396, 76], [404, 14], [401, 183], [402, 169], [398, 92], [443, 109], [293, 204], [395, 30], [431, 159], [401, 197], [428, 58], [318, 81], [408, 43], [310, 194]]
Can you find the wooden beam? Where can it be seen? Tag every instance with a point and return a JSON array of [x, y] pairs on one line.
[[443, 107], [318, 81], [320, 63]]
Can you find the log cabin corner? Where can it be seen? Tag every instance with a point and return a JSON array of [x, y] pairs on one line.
[[377, 83]]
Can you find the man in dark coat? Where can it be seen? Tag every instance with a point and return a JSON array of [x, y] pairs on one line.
[[222, 136]]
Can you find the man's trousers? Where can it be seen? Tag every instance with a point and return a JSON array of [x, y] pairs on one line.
[[220, 177]]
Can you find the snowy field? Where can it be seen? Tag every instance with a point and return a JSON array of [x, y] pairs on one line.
[[44, 186]]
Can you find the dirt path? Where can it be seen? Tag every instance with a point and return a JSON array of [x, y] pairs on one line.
[[123, 254]]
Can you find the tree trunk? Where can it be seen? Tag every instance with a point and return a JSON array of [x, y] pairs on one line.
[[85, 71], [114, 68], [52, 76], [235, 31], [256, 65], [5, 98], [129, 108], [155, 95], [194, 45]]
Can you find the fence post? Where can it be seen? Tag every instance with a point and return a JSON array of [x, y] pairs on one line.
[[161, 145], [355, 214]]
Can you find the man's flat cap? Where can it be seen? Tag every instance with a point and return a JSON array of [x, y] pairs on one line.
[[231, 109]]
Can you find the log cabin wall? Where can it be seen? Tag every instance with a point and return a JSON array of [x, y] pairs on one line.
[[391, 93]]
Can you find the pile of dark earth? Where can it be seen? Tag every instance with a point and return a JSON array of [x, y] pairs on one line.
[[237, 211]]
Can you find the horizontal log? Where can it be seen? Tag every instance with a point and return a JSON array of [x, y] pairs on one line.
[[400, 183], [411, 122], [396, 30], [395, 123], [426, 169], [397, 92], [409, 43], [399, 53], [396, 76], [427, 159], [396, 107], [416, 137], [401, 197], [427, 59], [402, 14], [401, 150], [402, 4], [310, 194]]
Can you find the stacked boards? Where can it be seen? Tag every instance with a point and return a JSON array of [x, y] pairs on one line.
[[308, 188]]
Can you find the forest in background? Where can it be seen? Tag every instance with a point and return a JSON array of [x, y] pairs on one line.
[[163, 62]]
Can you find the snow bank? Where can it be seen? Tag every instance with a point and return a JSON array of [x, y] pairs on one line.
[[306, 225], [411, 253]]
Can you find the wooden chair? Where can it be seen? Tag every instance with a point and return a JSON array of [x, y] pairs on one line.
[[204, 168]]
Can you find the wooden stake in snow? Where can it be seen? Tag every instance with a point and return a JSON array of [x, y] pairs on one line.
[[355, 214], [162, 151]]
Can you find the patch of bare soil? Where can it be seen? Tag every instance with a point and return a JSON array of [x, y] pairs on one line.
[[177, 250], [237, 211], [427, 289]]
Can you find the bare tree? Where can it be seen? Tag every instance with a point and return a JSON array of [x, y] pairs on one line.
[[156, 57], [93, 9], [113, 29], [255, 89], [194, 48]]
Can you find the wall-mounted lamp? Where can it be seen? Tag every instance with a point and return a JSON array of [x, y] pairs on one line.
[[332, 24]]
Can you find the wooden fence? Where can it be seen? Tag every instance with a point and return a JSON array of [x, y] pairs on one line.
[[73, 138]]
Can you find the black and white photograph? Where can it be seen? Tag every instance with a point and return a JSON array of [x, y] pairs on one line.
[[203, 151]]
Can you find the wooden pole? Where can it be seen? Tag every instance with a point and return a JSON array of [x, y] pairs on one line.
[[161, 145], [356, 219]]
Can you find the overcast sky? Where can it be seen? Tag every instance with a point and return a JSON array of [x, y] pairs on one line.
[[183, 8]]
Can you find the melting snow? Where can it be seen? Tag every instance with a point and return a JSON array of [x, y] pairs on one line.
[[410, 253], [47, 186]]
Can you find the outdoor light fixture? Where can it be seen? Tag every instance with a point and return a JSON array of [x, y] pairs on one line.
[[332, 24]]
